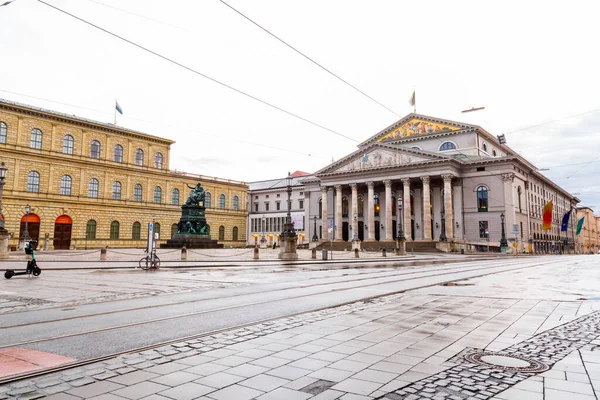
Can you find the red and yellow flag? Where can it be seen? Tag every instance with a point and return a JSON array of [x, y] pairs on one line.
[[547, 216]]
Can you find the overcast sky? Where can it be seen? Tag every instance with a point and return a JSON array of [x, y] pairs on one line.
[[527, 62]]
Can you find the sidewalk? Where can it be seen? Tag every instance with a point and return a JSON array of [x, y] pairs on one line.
[[409, 346]]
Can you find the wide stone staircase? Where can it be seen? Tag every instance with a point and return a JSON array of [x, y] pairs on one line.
[[416, 247]]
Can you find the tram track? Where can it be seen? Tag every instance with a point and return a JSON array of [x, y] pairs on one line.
[[464, 273]]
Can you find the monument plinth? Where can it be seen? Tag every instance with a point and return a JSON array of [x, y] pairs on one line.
[[192, 230]]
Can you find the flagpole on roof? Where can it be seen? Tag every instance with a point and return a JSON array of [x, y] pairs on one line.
[[115, 120]]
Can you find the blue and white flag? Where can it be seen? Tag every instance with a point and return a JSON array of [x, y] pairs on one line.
[[118, 108], [365, 158], [565, 222]]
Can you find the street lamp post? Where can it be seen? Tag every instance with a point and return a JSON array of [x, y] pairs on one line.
[[263, 239], [3, 170], [400, 228], [315, 238], [355, 233], [443, 237], [503, 242], [288, 237], [26, 231]]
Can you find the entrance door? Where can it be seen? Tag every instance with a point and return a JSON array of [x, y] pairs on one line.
[[345, 231], [412, 229], [361, 230], [394, 229], [62, 232], [33, 228], [377, 230]]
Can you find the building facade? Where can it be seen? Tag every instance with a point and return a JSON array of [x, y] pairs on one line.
[[587, 240], [439, 181], [90, 184], [268, 210]]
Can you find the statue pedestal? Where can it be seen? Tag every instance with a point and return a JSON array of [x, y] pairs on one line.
[[192, 230], [288, 240], [356, 245]]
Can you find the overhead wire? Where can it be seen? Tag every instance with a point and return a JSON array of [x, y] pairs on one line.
[[308, 58], [190, 69]]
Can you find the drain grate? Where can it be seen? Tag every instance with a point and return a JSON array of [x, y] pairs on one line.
[[506, 362]]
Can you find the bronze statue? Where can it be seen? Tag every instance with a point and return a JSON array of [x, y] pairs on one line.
[[196, 195]]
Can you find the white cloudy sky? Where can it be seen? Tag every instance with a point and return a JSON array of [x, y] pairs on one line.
[[528, 63]]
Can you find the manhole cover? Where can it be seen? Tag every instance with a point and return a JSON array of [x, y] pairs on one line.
[[506, 362]]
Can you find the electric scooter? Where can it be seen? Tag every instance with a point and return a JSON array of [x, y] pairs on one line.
[[32, 268]]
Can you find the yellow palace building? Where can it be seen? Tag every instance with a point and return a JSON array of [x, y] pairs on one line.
[[89, 184]]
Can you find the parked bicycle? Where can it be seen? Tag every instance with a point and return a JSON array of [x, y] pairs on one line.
[[151, 261], [32, 267]]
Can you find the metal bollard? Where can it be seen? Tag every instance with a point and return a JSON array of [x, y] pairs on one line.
[[383, 253], [103, 254], [183, 253], [256, 253], [356, 253], [314, 253]]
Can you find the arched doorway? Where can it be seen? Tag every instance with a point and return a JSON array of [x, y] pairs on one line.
[[33, 227], [62, 232]]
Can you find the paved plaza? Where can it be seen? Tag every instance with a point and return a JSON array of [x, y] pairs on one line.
[[528, 333]]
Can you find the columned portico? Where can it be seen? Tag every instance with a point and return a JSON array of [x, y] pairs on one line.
[[388, 210], [406, 208], [338, 213], [353, 187], [426, 208], [371, 212], [324, 213], [448, 206]]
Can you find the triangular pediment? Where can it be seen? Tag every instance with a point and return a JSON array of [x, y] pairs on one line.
[[415, 125], [380, 155]]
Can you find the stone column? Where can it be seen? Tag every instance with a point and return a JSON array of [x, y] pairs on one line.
[[406, 208], [338, 213], [426, 209], [324, 221], [388, 210], [448, 206], [370, 212], [353, 186]]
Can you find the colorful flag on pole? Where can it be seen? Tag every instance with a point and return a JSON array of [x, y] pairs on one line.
[[579, 226], [565, 221], [413, 100], [547, 216], [118, 108]]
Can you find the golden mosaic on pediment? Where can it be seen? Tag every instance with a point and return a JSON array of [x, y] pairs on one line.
[[416, 127]]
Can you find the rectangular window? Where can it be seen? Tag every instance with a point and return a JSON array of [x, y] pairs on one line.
[[480, 169], [255, 207], [278, 206], [483, 230], [277, 195], [301, 204], [266, 206], [267, 196]]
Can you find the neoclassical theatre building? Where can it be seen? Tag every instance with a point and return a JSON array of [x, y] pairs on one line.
[[446, 184], [91, 184]]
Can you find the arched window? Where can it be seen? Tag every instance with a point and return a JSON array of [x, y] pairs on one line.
[[139, 157], [485, 147], [207, 199], [416, 148], [93, 188], [118, 153], [157, 194], [447, 146], [95, 149], [157, 228], [221, 232], [116, 190], [68, 144], [35, 142], [136, 231], [235, 233], [320, 208], [482, 199], [175, 197], [65, 185], [376, 204], [361, 206], [137, 192], [158, 160], [236, 203], [3, 132], [173, 230], [345, 207], [222, 201], [519, 194], [33, 182], [90, 229], [114, 230], [494, 153]]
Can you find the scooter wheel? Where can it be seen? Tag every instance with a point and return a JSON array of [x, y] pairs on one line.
[[36, 271], [9, 273]]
